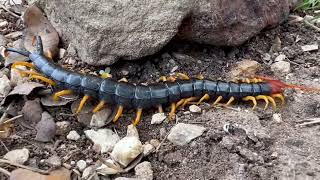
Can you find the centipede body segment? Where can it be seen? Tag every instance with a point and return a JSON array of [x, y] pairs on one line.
[[176, 92]]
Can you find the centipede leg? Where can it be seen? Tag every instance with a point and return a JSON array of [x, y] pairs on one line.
[[57, 95], [99, 106], [49, 55], [188, 100], [217, 100], [230, 101], [265, 98], [280, 96], [82, 103], [24, 73], [179, 103], [138, 117], [273, 103], [172, 114], [44, 79], [205, 97], [163, 79], [22, 63], [182, 76], [118, 114], [251, 98]]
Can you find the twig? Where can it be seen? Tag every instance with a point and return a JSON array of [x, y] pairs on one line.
[[24, 167], [12, 119], [4, 146], [4, 115], [5, 172], [10, 12], [310, 122], [298, 19], [163, 140]]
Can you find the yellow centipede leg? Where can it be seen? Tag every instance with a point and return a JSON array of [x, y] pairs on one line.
[[82, 103], [230, 101], [118, 114], [205, 97], [183, 76], [49, 55], [57, 95], [188, 100], [22, 63], [99, 106], [24, 73], [172, 114], [179, 103], [217, 101], [138, 117], [273, 103], [44, 79], [163, 79], [280, 96], [251, 98], [265, 98]]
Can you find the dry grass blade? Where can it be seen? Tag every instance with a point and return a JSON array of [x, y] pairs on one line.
[[312, 121], [24, 167]]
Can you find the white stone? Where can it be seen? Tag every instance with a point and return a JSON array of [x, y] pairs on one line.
[[87, 172], [73, 135], [4, 85], [132, 131], [15, 75], [281, 57], [54, 161], [311, 47], [62, 53], [195, 109], [3, 24], [281, 67], [126, 150], [99, 119], [148, 149], [81, 165], [105, 138], [19, 156], [144, 171], [182, 134], [155, 142], [158, 118], [277, 118]]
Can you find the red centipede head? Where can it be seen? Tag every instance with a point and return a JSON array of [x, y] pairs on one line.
[[278, 86]]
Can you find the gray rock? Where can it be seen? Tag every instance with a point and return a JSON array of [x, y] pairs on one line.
[[158, 118], [4, 86], [195, 109], [54, 161], [3, 40], [81, 165], [87, 172], [144, 171], [73, 135], [19, 156], [63, 127], [133, 29], [182, 134], [46, 128], [281, 68], [99, 119], [105, 138], [311, 47]]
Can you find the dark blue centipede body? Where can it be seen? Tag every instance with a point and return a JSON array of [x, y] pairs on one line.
[[140, 96]]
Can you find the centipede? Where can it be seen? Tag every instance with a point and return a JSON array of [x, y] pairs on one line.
[[173, 91]]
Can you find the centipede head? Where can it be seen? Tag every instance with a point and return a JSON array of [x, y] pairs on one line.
[[278, 86]]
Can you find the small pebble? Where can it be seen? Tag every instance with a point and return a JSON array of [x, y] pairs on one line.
[[5, 86], [54, 161], [311, 47], [144, 171], [19, 156], [181, 134], [62, 53], [155, 142], [81, 165], [132, 131], [63, 127], [73, 135], [104, 138], [281, 57], [158, 118], [281, 67], [87, 172], [148, 149], [277, 118], [195, 109], [3, 24], [174, 69]]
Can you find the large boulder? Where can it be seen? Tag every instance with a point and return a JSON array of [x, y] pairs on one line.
[[105, 31]]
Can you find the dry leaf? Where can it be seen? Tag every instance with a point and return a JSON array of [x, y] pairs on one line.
[[37, 24], [32, 112], [6, 129], [48, 100]]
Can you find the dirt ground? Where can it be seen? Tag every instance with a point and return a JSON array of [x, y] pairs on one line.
[[256, 147]]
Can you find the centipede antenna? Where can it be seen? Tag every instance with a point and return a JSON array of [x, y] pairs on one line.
[[39, 45], [24, 53]]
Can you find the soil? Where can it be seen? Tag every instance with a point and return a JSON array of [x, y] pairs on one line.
[[256, 146]]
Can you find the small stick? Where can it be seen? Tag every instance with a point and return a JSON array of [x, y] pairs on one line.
[[4, 115], [163, 140], [4, 146], [24, 167], [311, 122], [5, 172], [10, 12], [298, 19], [12, 119]]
